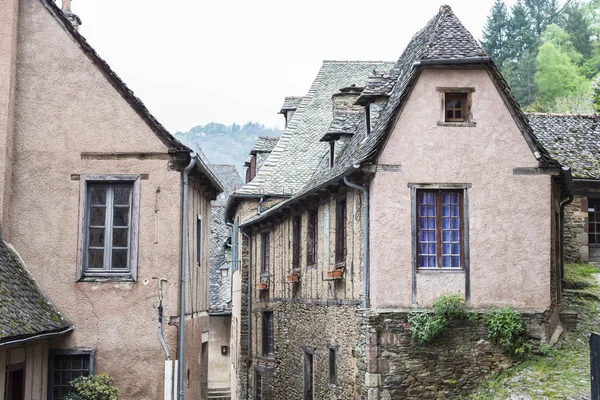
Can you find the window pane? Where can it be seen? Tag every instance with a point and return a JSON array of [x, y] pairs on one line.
[[120, 237], [95, 259], [432, 262], [431, 236], [446, 248], [97, 216], [121, 216], [455, 261], [96, 237], [454, 223], [119, 259], [97, 195], [431, 211], [431, 223], [122, 193], [446, 261], [445, 223], [445, 236]]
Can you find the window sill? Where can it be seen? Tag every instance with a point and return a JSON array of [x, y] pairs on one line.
[[312, 266], [265, 275], [441, 270], [458, 124], [267, 357], [106, 279]]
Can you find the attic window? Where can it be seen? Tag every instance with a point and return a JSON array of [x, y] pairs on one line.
[[456, 106], [331, 153]]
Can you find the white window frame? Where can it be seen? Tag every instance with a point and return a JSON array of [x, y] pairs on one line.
[[131, 274]]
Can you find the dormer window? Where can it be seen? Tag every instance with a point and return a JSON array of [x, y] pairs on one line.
[[456, 106], [368, 118]]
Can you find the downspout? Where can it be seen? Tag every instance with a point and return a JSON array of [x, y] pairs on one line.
[[230, 225], [566, 173], [366, 264], [249, 239], [258, 206], [161, 338], [184, 234]]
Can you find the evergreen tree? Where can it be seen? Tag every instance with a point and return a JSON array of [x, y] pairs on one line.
[[495, 32], [520, 75], [578, 27], [520, 35], [537, 10]]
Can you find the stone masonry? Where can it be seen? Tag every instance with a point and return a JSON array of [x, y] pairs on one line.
[[576, 233]]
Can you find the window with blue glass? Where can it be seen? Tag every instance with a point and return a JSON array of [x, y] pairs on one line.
[[440, 229]]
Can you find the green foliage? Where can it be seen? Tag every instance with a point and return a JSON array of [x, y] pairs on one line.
[[577, 25], [556, 74], [520, 75], [580, 272], [505, 327], [580, 102], [95, 387], [542, 13], [495, 32], [450, 307], [425, 326], [596, 94], [520, 36]]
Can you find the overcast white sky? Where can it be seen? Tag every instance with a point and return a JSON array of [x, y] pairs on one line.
[[194, 62]]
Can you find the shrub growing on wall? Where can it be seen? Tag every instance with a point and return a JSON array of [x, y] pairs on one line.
[[96, 387], [505, 327]]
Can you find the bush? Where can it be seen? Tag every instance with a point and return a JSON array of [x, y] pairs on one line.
[[424, 326], [96, 387], [505, 327]]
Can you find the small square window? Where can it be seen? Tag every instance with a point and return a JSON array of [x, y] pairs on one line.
[[456, 107]]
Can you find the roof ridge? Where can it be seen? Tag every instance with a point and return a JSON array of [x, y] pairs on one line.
[[356, 62], [434, 30]]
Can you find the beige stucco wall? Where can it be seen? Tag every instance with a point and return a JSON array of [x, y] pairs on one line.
[[64, 107], [509, 214], [35, 358], [218, 335]]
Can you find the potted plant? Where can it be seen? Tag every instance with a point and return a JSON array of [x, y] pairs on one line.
[[293, 277]]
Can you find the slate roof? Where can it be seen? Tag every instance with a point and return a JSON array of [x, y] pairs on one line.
[[24, 310], [114, 79], [299, 144], [264, 144], [379, 84], [290, 103], [344, 123], [444, 40], [573, 140]]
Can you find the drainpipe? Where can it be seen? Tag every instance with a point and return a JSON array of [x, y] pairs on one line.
[[366, 264], [230, 225], [249, 239], [161, 338], [566, 173], [184, 234], [259, 203]]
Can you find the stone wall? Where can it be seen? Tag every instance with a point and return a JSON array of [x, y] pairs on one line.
[[314, 327], [576, 233], [391, 366]]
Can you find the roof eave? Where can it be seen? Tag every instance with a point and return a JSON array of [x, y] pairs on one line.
[[35, 336]]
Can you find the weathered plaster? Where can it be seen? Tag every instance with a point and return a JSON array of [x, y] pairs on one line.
[[509, 215]]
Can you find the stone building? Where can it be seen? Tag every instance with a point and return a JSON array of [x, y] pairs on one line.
[[261, 149], [393, 184], [573, 141], [105, 212], [220, 286]]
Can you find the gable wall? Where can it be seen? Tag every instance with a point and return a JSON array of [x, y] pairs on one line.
[[65, 107], [510, 215]]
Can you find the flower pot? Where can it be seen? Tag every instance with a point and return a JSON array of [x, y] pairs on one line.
[[335, 274], [293, 277], [261, 286]]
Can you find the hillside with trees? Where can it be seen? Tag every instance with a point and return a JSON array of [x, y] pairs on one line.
[[225, 144], [548, 52]]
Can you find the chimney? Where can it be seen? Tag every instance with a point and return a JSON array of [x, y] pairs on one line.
[[290, 105], [73, 19], [343, 101]]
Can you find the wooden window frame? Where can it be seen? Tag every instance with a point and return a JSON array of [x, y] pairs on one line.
[[312, 238], [341, 219], [68, 352], [265, 253], [467, 118], [296, 247], [308, 364], [82, 274], [199, 240], [593, 221], [439, 229], [268, 338]]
